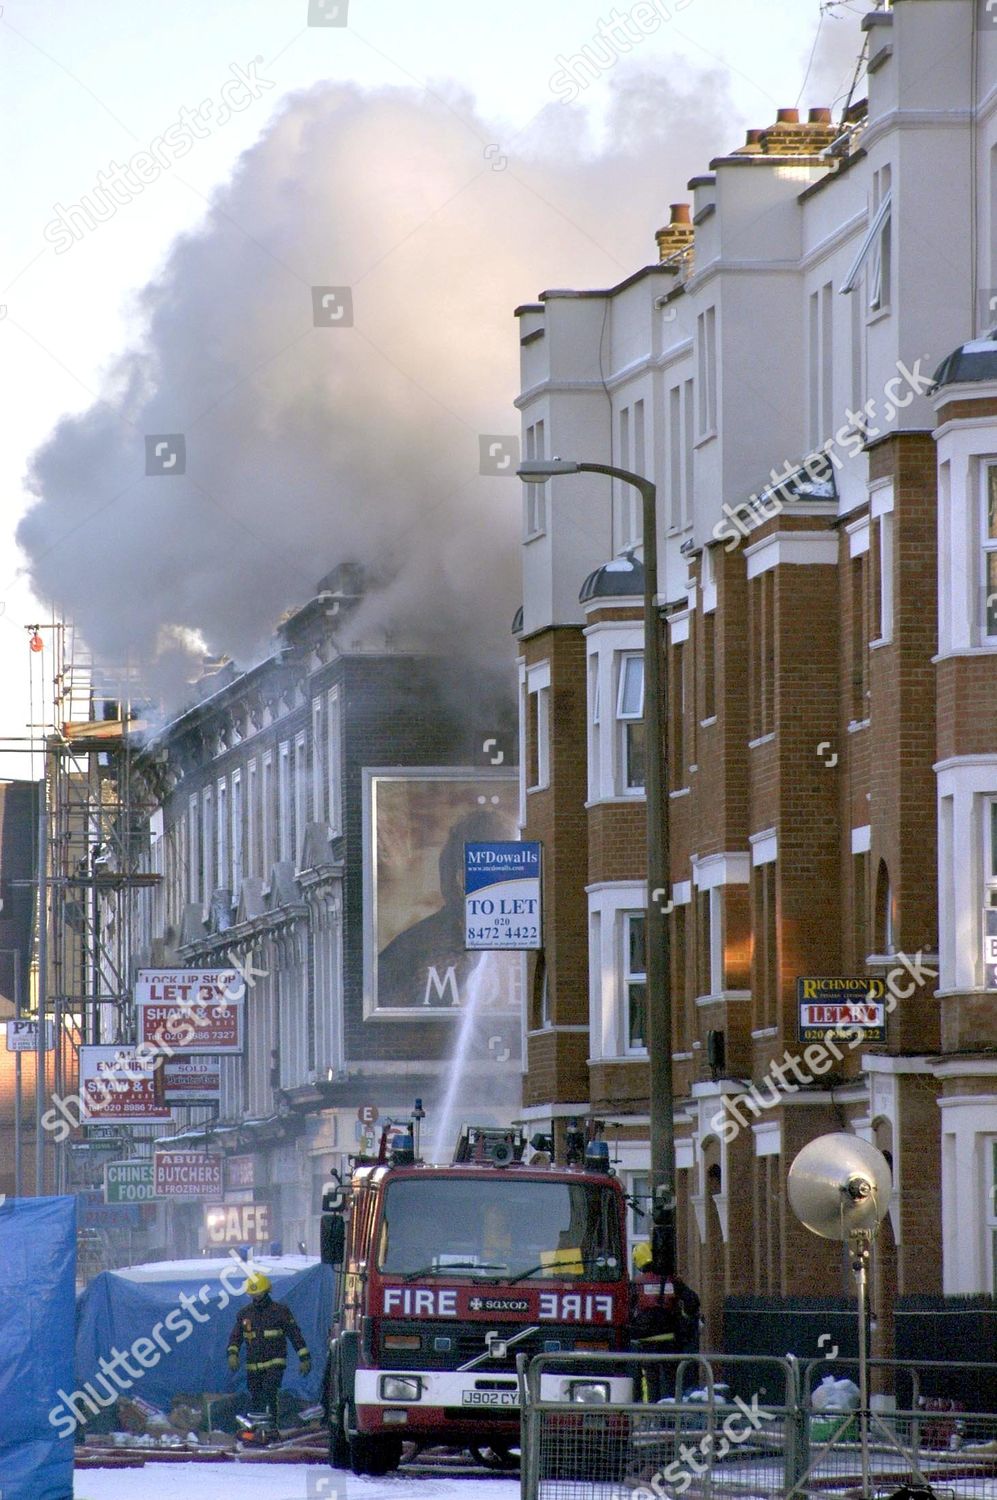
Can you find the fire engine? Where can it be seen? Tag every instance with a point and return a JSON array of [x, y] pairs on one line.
[[447, 1273]]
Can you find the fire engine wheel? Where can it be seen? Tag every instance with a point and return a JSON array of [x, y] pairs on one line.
[[370, 1454], [496, 1456], [339, 1446]]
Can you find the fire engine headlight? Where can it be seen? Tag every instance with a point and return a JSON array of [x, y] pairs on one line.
[[589, 1392], [401, 1387]]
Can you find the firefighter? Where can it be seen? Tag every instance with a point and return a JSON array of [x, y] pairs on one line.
[[266, 1326], [664, 1316]]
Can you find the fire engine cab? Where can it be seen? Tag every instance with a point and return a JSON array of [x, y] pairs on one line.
[[447, 1273]]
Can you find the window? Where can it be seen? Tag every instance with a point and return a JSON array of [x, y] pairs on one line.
[[635, 980], [208, 841], [860, 905], [267, 841], [882, 602], [595, 744], [879, 272], [990, 1147], [195, 885], [709, 665], [252, 819], [821, 366], [990, 552], [886, 941], [630, 716], [285, 811], [535, 495], [683, 1014], [706, 370], [676, 702], [640, 1204], [860, 638], [704, 943], [765, 980], [990, 851], [689, 453], [223, 837], [675, 510], [300, 797], [318, 772], [237, 813], [632, 456], [334, 758], [537, 732], [763, 654]]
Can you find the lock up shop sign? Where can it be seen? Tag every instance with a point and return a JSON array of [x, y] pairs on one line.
[[187, 1012]]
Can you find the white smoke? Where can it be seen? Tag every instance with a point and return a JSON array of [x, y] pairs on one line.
[[307, 446]]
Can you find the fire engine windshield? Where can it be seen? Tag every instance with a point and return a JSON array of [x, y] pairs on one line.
[[499, 1227]]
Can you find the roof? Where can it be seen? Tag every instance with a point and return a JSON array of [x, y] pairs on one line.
[[623, 577], [974, 360]]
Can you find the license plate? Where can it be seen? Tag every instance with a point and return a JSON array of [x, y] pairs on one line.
[[488, 1398]]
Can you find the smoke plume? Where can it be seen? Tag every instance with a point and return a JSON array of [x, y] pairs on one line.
[[311, 445]]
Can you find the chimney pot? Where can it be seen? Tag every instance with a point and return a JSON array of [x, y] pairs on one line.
[[820, 116], [753, 137], [788, 117], [681, 213]]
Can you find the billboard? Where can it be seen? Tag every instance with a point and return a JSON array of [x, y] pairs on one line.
[[832, 1004], [191, 1011], [187, 1174], [416, 823], [118, 1085], [502, 895]]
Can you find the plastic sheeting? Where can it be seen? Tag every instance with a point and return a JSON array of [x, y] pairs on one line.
[[162, 1330], [37, 1292]]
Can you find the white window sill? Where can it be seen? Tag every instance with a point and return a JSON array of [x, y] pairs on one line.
[[882, 640], [542, 786], [683, 791], [763, 739], [705, 723], [877, 314], [765, 1034], [856, 724], [614, 801], [533, 536], [706, 437]]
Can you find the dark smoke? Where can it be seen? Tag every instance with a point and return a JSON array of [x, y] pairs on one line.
[[310, 446]]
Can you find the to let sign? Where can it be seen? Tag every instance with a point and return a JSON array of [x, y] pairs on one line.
[[839, 1004], [237, 1223], [502, 895], [118, 1084], [187, 1174], [187, 1012]]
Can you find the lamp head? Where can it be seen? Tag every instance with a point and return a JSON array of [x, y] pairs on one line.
[[539, 470]]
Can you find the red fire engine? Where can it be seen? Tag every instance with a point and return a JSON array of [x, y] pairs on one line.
[[447, 1273]]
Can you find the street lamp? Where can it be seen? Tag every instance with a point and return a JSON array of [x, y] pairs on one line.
[[657, 934]]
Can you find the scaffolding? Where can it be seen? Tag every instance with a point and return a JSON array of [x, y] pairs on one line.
[[96, 859]]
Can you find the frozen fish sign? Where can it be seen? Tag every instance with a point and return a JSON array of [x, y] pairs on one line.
[[187, 1174], [187, 1012], [502, 895]]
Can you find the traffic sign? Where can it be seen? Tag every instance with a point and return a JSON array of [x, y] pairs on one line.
[[367, 1114]]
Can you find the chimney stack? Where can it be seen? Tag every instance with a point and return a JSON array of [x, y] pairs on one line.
[[791, 136], [678, 234]]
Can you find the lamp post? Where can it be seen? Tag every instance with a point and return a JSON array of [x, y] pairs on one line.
[[658, 905]]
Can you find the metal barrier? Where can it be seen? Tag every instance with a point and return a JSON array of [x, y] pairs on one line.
[[647, 1427]]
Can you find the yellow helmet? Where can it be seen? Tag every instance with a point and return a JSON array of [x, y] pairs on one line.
[[256, 1284], [643, 1255]]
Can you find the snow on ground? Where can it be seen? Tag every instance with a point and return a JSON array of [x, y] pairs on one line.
[[263, 1481]]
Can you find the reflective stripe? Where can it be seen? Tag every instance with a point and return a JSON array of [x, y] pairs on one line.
[[265, 1364], [273, 1333]]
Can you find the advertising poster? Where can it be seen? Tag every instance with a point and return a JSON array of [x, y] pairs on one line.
[[416, 824], [833, 1004], [187, 1174]]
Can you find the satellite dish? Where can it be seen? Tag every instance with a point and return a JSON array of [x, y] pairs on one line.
[[840, 1186]]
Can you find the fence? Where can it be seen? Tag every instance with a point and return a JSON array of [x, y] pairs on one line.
[[623, 1427]]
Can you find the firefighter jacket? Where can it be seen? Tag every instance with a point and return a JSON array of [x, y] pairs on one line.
[[664, 1314], [266, 1326]]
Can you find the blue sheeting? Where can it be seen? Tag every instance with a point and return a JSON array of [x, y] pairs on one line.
[[37, 1292], [172, 1324]]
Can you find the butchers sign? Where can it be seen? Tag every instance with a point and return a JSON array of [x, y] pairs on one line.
[[187, 1174], [120, 1084], [832, 1004], [190, 1011]]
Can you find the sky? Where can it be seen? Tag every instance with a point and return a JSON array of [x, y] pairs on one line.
[[432, 155]]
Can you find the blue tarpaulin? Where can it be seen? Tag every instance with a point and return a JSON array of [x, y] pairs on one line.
[[171, 1323], [37, 1291]]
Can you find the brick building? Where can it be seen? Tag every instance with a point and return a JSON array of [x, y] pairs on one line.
[[826, 538]]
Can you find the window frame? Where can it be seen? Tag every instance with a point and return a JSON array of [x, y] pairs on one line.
[[624, 721], [629, 979], [535, 495], [988, 549]]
